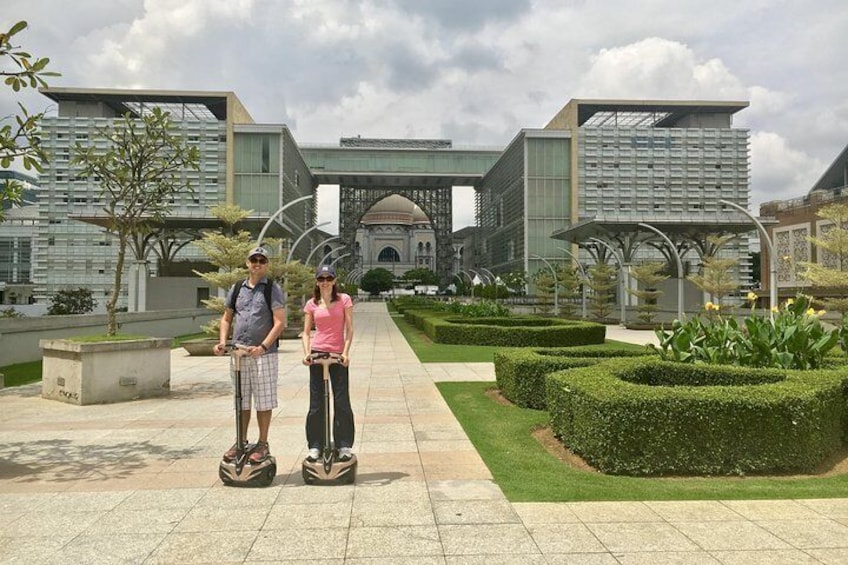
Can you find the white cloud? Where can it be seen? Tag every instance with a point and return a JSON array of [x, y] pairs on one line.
[[781, 172]]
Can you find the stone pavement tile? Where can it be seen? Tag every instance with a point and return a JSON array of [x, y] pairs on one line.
[[565, 538], [533, 513], [395, 490], [314, 494], [106, 549], [31, 549], [230, 497], [614, 512], [518, 559], [417, 560], [10, 502], [581, 559], [486, 539], [808, 534], [390, 460], [692, 510], [641, 536], [458, 472], [766, 557], [475, 512], [439, 458], [203, 547], [667, 558], [40, 523], [719, 536], [160, 499], [194, 464], [160, 521], [151, 481], [375, 474], [838, 556], [394, 541], [317, 515], [450, 445], [771, 509], [213, 519], [387, 447], [438, 431], [83, 501], [386, 432], [464, 490], [836, 508], [392, 512]]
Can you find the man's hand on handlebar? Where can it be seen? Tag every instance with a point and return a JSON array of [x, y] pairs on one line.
[[219, 348]]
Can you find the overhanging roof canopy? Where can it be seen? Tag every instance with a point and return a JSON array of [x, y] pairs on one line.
[[694, 227]]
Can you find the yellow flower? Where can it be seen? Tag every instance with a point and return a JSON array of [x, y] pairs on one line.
[[790, 301], [820, 313], [811, 312], [752, 296], [709, 306], [774, 309]]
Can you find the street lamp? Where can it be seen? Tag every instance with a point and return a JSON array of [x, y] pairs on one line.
[[298, 240], [620, 275], [556, 283], [333, 250], [679, 262], [314, 249], [583, 274], [277, 213], [772, 257], [337, 259]]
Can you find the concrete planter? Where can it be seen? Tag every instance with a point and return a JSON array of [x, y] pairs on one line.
[[104, 372], [201, 346]]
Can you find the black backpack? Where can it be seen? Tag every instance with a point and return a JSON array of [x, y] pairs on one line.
[[269, 287]]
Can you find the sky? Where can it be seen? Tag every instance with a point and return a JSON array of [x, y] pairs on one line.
[[473, 71]]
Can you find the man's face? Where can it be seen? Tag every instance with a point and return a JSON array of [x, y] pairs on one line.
[[257, 264]]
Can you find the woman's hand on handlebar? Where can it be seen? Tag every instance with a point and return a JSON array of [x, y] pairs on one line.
[[307, 360], [344, 360]]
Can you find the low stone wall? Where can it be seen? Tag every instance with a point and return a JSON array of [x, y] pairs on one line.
[[19, 337]]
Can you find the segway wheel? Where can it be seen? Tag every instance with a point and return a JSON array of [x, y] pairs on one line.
[[267, 476], [350, 478], [224, 477], [307, 478]]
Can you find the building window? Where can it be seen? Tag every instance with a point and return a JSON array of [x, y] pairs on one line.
[[388, 255]]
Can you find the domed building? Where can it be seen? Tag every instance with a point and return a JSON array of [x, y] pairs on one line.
[[396, 235]]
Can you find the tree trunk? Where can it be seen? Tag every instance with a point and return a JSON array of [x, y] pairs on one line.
[[111, 305]]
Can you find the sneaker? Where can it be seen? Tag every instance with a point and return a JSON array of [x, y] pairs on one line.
[[345, 454], [260, 452], [314, 454], [232, 452]]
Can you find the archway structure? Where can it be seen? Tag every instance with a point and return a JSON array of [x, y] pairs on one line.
[[422, 170]]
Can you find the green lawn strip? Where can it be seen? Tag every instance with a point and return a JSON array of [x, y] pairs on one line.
[[22, 373], [178, 340], [526, 472]]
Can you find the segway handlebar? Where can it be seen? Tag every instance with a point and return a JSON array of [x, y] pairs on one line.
[[325, 358]]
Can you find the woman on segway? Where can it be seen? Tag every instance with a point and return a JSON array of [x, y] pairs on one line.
[[331, 313]]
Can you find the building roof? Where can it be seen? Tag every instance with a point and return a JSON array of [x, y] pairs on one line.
[[640, 113], [205, 104], [695, 227], [836, 175]]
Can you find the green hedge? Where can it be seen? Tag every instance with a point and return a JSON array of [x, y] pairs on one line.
[[515, 331], [653, 417], [521, 373]]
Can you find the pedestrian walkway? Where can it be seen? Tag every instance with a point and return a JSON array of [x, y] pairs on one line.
[[137, 482]]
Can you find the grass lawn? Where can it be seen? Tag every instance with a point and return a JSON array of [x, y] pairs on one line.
[[526, 472]]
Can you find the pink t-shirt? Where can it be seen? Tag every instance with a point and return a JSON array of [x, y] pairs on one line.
[[329, 323]]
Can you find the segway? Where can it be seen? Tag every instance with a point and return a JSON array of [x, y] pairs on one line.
[[329, 468], [241, 471]]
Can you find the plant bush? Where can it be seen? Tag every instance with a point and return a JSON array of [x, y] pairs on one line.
[[521, 373], [794, 339], [645, 417]]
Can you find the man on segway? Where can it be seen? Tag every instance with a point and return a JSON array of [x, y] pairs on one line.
[[258, 307]]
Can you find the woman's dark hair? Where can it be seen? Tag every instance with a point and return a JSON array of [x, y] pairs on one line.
[[316, 293]]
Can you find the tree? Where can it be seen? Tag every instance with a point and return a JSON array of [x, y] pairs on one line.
[[602, 284], [20, 135], [569, 289], [71, 301], [139, 172], [515, 281], [832, 249], [544, 281], [376, 281], [716, 276], [421, 275], [648, 275]]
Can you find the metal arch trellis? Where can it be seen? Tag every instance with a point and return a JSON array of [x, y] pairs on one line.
[[435, 202]]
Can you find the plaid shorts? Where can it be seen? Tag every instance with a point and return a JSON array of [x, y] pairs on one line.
[[258, 381]]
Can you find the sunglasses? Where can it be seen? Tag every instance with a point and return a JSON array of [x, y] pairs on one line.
[[325, 279], [260, 260]]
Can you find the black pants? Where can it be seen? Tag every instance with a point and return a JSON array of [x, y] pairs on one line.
[[343, 427]]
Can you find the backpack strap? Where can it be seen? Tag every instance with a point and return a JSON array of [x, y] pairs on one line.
[[269, 288], [235, 293]]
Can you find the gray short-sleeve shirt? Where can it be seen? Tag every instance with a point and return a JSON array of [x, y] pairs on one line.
[[253, 319]]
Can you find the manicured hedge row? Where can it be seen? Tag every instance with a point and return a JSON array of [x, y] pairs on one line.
[[515, 331], [652, 417], [521, 373]]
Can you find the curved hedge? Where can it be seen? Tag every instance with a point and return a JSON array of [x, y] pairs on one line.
[[521, 373], [514, 331], [652, 417]]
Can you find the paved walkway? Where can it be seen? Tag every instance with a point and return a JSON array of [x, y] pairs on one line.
[[137, 483]]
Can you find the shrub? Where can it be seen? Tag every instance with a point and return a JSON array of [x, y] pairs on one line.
[[71, 301], [653, 417]]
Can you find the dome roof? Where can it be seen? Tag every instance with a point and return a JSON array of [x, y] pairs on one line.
[[395, 209]]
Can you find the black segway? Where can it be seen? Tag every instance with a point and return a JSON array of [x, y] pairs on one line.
[[329, 468], [241, 471]]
